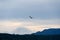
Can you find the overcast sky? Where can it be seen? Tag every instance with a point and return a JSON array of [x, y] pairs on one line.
[[14, 15]]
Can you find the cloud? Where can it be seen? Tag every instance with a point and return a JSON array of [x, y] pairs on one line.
[[14, 14], [42, 9], [22, 30], [7, 26]]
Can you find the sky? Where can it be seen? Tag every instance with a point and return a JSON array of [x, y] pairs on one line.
[[14, 15]]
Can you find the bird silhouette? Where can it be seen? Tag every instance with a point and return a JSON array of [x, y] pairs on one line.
[[30, 17]]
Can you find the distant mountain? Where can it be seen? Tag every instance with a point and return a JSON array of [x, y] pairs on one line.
[[6, 36], [48, 32]]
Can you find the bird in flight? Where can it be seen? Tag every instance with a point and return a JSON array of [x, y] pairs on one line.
[[30, 17]]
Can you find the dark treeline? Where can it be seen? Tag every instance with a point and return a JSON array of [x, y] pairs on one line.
[[4, 36]]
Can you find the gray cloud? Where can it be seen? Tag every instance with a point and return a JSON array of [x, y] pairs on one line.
[[43, 12], [12, 9]]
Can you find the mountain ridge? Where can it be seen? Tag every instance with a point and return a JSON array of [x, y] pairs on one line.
[[48, 32]]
